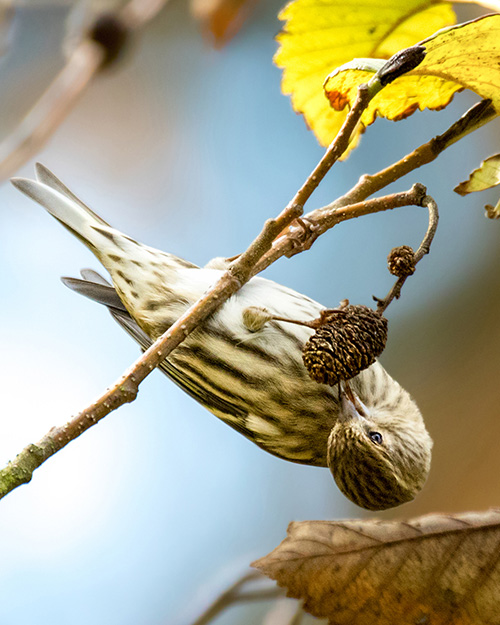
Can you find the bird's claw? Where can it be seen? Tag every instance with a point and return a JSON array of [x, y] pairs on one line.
[[303, 236]]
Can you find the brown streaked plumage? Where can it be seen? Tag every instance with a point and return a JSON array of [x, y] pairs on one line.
[[373, 440]]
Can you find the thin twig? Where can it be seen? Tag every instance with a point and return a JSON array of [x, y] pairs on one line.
[[317, 222], [233, 594], [281, 612], [477, 116], [298, 616], [423, 249], [336, 148], [259, 595], [334, 151]]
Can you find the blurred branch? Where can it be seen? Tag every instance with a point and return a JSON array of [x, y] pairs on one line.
[[286, 611], [94, 52], [234, 594]]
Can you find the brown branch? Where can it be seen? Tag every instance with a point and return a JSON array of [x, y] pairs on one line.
[[337, 147], [239, 272], [297, 239], [236, 594], [317, 222], [477, 116]]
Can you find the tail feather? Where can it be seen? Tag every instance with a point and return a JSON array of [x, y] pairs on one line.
[[96, 291], [46, 177], [148, 281], [95, 287], [68, 212], [71, 212], [92, 276]]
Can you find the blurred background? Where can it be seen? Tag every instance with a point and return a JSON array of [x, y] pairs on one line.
[[150, 514]]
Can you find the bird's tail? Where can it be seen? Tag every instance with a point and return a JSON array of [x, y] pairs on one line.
[[152, 285], [67, 208]]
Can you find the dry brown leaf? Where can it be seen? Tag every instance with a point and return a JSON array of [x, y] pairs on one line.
[[222, 19], [432, 570]]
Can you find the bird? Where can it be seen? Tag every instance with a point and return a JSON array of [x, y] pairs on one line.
[[369, 431]]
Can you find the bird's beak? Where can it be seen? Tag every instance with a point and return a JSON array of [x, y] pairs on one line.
[[351, 407]]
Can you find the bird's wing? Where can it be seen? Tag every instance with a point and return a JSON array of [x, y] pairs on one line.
[[95, 287]]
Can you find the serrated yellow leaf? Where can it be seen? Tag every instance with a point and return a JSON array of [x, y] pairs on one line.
[[466, 56], [320, 35]]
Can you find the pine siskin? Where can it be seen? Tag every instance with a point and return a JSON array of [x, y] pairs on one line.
[[370, 433]]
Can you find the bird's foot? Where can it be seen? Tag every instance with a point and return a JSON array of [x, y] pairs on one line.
[[302, 233]]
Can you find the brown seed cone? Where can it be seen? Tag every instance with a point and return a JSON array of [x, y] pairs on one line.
[[349, 341], [401, 261]]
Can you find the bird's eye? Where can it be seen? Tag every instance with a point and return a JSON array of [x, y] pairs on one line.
[[375, 437]]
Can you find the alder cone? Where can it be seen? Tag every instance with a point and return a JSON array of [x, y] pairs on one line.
[[401, 261], [350, 340]]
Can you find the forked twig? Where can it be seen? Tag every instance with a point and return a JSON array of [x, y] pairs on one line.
[[296, 239]]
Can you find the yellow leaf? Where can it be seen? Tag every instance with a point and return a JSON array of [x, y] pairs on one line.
[[433, 570], [320, 35], [466, 56], [487, 175]]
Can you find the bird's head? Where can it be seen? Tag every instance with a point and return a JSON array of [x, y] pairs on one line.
[[379, 453]]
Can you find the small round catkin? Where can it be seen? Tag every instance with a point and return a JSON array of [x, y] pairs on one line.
[[401, 261], [350, 340]]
